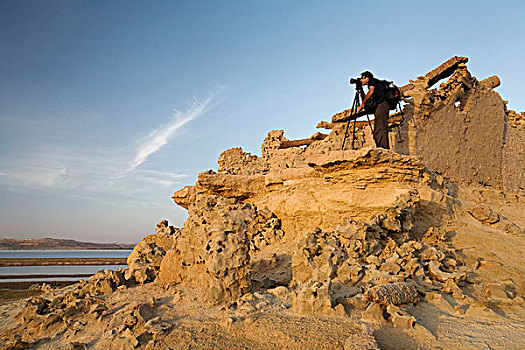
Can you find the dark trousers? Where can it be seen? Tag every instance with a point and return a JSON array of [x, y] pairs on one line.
[[381, 125]]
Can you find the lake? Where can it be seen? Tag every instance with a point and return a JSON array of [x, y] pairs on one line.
[[56, 273], [81, 253]]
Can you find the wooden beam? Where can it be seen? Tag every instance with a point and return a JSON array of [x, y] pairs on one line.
[[444, 70], [302, 142], [296, 143], [492, 82], [394, 118], [346, 116]]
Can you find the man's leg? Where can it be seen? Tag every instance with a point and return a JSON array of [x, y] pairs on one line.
[[381, 125]]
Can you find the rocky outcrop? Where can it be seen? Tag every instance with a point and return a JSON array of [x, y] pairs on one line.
[[212, 254], [319, 187], [336, 225], [145, 259], [151, 249], [136, 323]]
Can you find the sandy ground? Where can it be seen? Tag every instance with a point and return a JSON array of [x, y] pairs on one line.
[[274, 327]]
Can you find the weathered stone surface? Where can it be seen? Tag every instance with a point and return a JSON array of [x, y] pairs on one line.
[[312, 298], [400, 318], [322, 188], [374, 313], [150, 250], [214, 247], [237, 162]]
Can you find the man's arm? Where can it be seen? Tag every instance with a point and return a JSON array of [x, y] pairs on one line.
[[368, 95]]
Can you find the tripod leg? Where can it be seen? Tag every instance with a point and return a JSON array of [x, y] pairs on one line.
[[357, 103], [353, 135], [370, 124], [346, 135], [353, 111], [399, 125]]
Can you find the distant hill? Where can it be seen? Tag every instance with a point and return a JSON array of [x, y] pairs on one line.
[[56, 244]]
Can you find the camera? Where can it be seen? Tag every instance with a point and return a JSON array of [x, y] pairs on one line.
[[356, 81]]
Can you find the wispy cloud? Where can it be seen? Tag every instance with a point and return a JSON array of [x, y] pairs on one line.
[[101, 173], [161, 135]]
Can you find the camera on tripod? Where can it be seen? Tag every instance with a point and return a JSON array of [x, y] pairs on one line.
[[355, 81]]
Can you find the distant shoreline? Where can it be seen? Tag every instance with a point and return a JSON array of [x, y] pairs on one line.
[[4, 262], [68, 248], [58, 244]]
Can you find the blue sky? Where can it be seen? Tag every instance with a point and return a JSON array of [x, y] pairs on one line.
[[108, 107]]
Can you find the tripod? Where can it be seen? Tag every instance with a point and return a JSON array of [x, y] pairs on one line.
[[353, 111]]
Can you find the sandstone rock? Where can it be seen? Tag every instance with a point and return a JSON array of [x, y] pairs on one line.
[[400, 318], [438, 274], [312, 298], [34, 307], [124, 341], [484, 214], [439, 301], [235, 161], [374, 313], [450, 287], [496, 291], [317, 257], [152, 249], [212, 251]]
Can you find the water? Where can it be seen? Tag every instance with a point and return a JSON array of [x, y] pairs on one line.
[[18, 272], [121, 253], [54, 270]]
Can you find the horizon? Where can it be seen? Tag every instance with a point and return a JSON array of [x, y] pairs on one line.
[[64, 239], [107, 109]]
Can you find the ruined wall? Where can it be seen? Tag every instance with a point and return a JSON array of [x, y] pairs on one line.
[[462, 131], [459, 130], [513, 163]]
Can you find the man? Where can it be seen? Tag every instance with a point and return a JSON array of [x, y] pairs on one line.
[[375, 102]]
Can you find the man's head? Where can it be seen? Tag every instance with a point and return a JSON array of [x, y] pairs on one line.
[[365, 77]]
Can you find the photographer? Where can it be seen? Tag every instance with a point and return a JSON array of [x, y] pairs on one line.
[[374, 102]]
